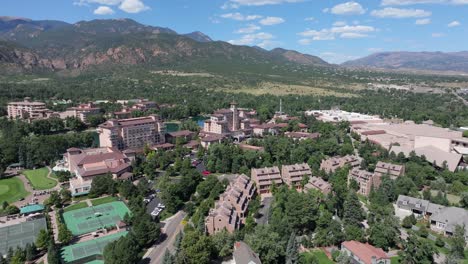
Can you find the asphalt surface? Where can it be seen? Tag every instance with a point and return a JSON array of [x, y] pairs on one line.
[[153, 204], [172, 226], [264, 211]]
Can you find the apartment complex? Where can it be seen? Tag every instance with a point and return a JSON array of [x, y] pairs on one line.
[[332, 164], [231, 209], [294, 174], [82, 112], [393, 170], [85, 164], [265, 178], [319, 184], [27, 109], [230, 121], [443, 219], [364, 253], [366, 180], [134, 133]]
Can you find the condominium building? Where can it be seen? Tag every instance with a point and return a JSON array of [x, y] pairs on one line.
[[319, 184], [231, 209], [86, 164], [82, 112], [393, 170], [332, 164], [135, 133], [364, 253], [229, 121], [366, 180], [222, 216], [294, 174], [27, 109], [265, 178]]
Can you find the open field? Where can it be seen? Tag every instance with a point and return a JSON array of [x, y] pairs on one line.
[[280, 89], [38, 179], [451, 197], [12, 189], [318, 254], [76, 206], [103, 200]]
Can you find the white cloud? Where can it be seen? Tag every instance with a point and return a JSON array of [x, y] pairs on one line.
[[454, 24], [438, 35], [336, 57], [133, 6], [251, 28], [252, 39], [267, 44], [390, 12], [348, 8], [373, 50], [229, 5], [415, 2], [343, 31], [269, 21], [240, 17], [309, 19], [339, 23], [424, 21], [103, 10], [263, 2]]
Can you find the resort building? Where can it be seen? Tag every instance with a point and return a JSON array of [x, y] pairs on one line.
[[184, 135], [27, 109], [233, 121], [207, 141], [332, 164], [365, 179], [302, 135], [364, 253], [82, 112], [336, 116], [222, 216], [268, 129], [266, 178], [85, 164], [392, 170], [134, 133], [294, 174], [319, 184]]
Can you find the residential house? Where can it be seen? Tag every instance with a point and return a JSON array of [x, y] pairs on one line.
[[222, 216], [366, 180], [364, 253], [332, 164], [319, 184], [266, 178], [393, 170], [294, 174]]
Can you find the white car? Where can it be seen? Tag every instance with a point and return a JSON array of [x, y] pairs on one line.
[[162, 206]]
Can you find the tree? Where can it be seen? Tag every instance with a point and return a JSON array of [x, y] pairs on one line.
[[384, 234], [464, 200], [42, 239], [122, 251], [196, 248], [329, 231], [66, 195], [64, 234], [353, 212], [417, 251], [223, 243], [53, 256], [11, 209], [292, 255], [168, 258], [31, 251], [103, 184], [267, 243], [409, 221], [457, 243]]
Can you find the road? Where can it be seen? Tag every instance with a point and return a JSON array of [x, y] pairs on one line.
[[265, 211], [459, 97], [172, 226]]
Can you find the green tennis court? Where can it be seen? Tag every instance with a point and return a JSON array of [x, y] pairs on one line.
[[20, 234], [90, 219], [89, 251]]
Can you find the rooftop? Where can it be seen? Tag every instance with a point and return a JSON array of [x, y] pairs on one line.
[[364, 252]]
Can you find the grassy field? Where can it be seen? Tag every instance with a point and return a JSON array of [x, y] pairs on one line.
[[395, 260], [319, 255], [38, 179], [12, 189], [76, 206], [103, 200], [280, 89], [451, 197]]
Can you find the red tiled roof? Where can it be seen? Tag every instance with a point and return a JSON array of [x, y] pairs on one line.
[[365, 252], [182, 133]]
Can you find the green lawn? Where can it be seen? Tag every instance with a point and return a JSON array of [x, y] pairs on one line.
[[319, 255], [103, 200], [38, 179], [76, 206], [12, 189], [395, 260]]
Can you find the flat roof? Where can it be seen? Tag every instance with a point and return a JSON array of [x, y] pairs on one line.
[[31, 208]]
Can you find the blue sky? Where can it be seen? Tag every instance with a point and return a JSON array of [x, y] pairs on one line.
[[334, 30]]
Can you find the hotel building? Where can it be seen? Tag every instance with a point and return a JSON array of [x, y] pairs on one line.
[[27, 110]]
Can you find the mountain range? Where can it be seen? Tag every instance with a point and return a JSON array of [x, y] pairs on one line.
[[47, 45]]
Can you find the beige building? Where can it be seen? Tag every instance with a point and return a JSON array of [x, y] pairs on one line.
[[27, 110], [366, 180], [265, 178], [85, 164], [319, 184], [82, 112], [222, 216], [294, 174], [332, 164], [393, 170], [236, 197], [135, 133], [229, 121]]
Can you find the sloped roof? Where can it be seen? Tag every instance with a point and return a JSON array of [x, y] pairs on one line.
[[365, 252]]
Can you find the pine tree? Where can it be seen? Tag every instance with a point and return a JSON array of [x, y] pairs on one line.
[[168, 258], [353, 212], [292, 256]]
